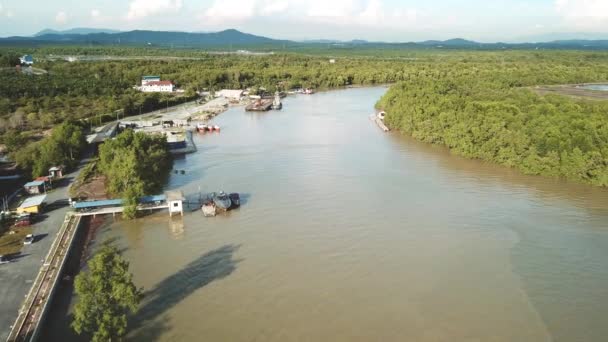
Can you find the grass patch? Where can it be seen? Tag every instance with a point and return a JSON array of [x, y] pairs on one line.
[[11, 241], [86, 174]]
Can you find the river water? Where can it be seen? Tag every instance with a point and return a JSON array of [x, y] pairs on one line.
[[350, 234]]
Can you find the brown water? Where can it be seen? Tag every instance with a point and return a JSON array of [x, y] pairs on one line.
[[350, 234]]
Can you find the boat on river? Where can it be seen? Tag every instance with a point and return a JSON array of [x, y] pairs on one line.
[[235, 198], [222, 201], [208, 208], [201, 127], [276, 104]]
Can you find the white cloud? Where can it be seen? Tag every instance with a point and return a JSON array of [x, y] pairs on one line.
[[231, 9], [345, 14], [95, 13], [143, 8], [331, 8], [61, 17], [583, 14], [274, 7]]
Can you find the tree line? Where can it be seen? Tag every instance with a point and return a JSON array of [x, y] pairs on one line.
[[490, 111]]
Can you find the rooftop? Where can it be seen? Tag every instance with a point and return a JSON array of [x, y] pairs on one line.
[[33, 201], [34, 183], [160, 83]]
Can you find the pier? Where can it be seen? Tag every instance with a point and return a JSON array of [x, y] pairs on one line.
[[262, 105]]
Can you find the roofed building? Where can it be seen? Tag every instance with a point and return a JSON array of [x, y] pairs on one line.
[[158, 87], [27, 59], [146, 79], [32, 205], [35, 187]]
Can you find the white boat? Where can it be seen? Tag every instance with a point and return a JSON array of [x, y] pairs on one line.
[[208, 208]]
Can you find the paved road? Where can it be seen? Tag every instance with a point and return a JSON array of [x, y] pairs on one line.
[[17, 276]]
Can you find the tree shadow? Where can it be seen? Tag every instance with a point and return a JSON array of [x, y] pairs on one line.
[[39, 237], [211, 266], [15, 256], [58, 204]]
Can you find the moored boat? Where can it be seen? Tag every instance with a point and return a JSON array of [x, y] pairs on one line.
[[222, 201], [208, 208], [235, 198]]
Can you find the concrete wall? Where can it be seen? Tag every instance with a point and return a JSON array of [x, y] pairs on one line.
[[78, 224]]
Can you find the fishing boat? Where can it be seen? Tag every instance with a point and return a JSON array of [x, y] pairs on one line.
[[222, 201], [207, 128], [208, 208], [276, 104], [235, 199]]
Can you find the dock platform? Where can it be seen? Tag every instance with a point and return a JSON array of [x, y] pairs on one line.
[[262, 105]]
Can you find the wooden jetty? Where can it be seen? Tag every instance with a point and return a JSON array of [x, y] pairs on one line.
[[261, 105]]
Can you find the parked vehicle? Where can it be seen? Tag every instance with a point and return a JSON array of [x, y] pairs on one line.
[[29, 239], [22, 222]]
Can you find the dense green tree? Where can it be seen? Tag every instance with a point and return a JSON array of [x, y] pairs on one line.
[[135, 164], [63, 147], [105, 294], [485, 113]]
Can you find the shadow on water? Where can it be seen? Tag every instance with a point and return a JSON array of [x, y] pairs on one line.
[[211, 266]]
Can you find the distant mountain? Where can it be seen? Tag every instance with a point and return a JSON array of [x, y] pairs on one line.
[[552, 37], [141, 37], [77, 30], [236, 39], [453, 43]]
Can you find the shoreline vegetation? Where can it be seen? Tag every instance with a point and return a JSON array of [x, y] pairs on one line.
[[480, 104], [486, 110]]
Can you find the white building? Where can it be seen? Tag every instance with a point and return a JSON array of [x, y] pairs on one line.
[[157, 87], [27, 60]]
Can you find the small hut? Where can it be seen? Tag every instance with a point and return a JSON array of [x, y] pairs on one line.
[[35, 187], [175, 200], [56, 172]]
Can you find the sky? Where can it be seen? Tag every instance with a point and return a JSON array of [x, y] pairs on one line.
[[375, 20]]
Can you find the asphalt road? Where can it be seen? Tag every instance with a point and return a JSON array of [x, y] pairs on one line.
[[17, 276]]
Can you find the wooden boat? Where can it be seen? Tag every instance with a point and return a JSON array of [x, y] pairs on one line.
[[235, 199], [208, 208], [207, 128], [222, 201]]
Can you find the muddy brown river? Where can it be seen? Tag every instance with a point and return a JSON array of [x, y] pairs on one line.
[[350, 234]]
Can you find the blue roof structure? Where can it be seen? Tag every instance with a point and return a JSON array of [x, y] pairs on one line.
[[116, 202], [95, 204], [33, 201], [152, 199], [34, 183]]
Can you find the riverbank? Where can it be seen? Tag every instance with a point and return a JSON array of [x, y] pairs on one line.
[[463, 219]]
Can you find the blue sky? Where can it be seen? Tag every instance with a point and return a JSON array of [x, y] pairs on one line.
[[387, 20]]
